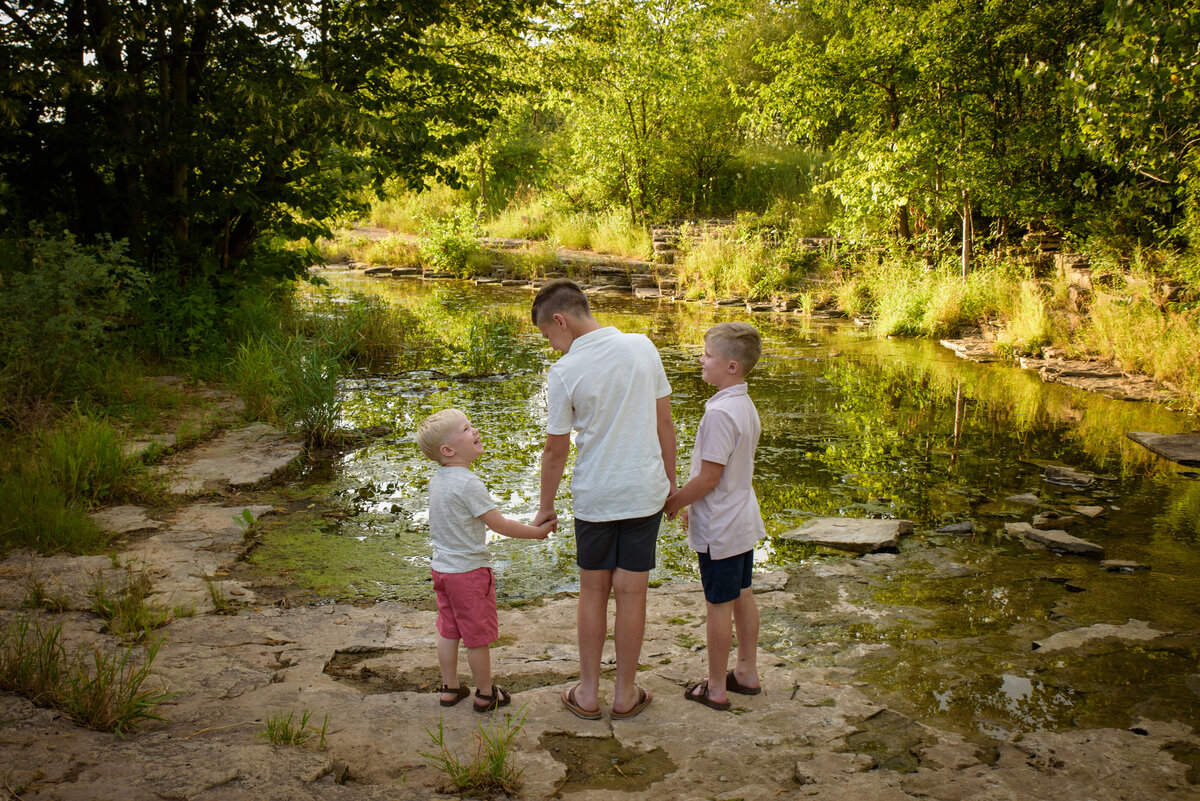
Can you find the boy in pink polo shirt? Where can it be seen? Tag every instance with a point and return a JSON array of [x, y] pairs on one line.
[[724, 522]]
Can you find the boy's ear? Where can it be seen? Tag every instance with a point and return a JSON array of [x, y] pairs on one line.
[[445, 450], [734, 367]]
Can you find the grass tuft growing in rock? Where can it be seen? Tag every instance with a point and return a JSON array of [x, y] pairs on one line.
[[284, 729], [491, 771], [99, 690]]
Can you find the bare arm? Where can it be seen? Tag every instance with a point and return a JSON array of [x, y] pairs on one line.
[[704, 483], [554, 462], [666, 437], [514, 528]]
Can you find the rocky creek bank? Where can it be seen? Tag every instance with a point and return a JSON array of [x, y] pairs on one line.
[[820, 730]]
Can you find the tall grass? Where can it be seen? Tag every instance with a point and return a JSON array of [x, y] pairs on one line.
[[524, 219], [1028, 326], [391, 251], [491, 770], [491, 342], [99, 690], [720, 267], [51, 478], [123, 607]]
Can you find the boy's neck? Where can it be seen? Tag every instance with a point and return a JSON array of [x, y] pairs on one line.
[[727, 381], [457, 461]]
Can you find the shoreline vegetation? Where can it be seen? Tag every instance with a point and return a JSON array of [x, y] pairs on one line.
[[1138, 311]]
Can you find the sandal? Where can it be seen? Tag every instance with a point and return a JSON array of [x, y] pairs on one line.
[[735, 686], [635, 710], [497, 699], [568, 699], [702, 696], [460, 692]]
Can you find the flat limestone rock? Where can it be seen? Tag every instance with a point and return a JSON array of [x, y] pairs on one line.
[[1056, 540], [1181, 448], [1067, 477], [852, 534], [975, 349], [1133, 630], [1088, 511], [242, 458], [1123, 566], [124, 519]]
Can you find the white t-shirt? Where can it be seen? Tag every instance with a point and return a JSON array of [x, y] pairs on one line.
[[727, 522], [606, 388], [457, 497]]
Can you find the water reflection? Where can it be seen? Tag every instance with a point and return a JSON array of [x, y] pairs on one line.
[[851, 426]]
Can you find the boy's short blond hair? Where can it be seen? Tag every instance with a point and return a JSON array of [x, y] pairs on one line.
[[560, 296], [739, 342], [434, 430]]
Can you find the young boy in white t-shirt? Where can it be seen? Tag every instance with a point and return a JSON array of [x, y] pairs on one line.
[[724, 522], [460, 511]]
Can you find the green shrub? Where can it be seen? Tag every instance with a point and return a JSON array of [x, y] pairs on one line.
[[449, 241], [59, 301], [393, 252]]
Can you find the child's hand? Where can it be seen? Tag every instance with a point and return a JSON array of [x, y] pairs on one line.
[[544, 529], [546, 516]]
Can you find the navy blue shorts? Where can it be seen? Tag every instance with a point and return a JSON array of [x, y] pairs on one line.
[[609, 544], [724, 579]]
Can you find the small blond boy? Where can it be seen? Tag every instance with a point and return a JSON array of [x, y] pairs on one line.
[[460, 511], [724, 522]]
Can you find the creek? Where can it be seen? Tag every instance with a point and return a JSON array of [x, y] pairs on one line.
[[852, 426]]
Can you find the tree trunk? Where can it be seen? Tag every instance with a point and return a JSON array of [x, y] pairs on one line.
[[967, 233]]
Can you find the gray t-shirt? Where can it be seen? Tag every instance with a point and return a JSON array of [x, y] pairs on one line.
[[457, 497]]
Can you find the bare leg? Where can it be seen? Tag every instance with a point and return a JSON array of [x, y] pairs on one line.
[[592, 626], [628, 631], [719, 632], [745, 619], [447, 653], [480, 660]]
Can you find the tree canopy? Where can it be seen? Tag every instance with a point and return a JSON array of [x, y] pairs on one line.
[[197, 128]]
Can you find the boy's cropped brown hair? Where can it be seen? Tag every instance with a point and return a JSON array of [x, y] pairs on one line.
[[560, 296], [739, 342], [433, 432]]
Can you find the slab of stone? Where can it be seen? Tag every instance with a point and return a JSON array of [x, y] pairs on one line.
[[858, 535], [1088, 511], [1067, 477], [243, 458], [962, 529], [1131, 631], [1048, 521], [1123, 566], [1056, 540], [1027, 498], [975, 349], [125, 519], [1181, 448]]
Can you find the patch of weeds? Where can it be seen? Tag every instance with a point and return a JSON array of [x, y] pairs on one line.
[[36, 597], [284, 729], [99, 690], [492, 770], [221, 604], [678, 621], [686, 640], [124, 608]]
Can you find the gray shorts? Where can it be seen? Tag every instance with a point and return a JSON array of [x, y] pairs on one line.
[[611, 544]]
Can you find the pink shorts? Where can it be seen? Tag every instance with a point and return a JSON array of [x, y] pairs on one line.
[[466, 605]]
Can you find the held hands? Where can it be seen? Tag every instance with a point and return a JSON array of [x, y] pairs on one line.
[[544, 529], [548, 519]]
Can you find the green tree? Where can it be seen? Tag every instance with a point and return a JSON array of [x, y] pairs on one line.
[[1136, 88], [197, 130]]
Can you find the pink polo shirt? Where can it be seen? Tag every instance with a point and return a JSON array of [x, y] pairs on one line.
[[727, 522]]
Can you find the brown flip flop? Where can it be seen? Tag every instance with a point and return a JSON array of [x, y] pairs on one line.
[[568, 699], [644, 699]]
